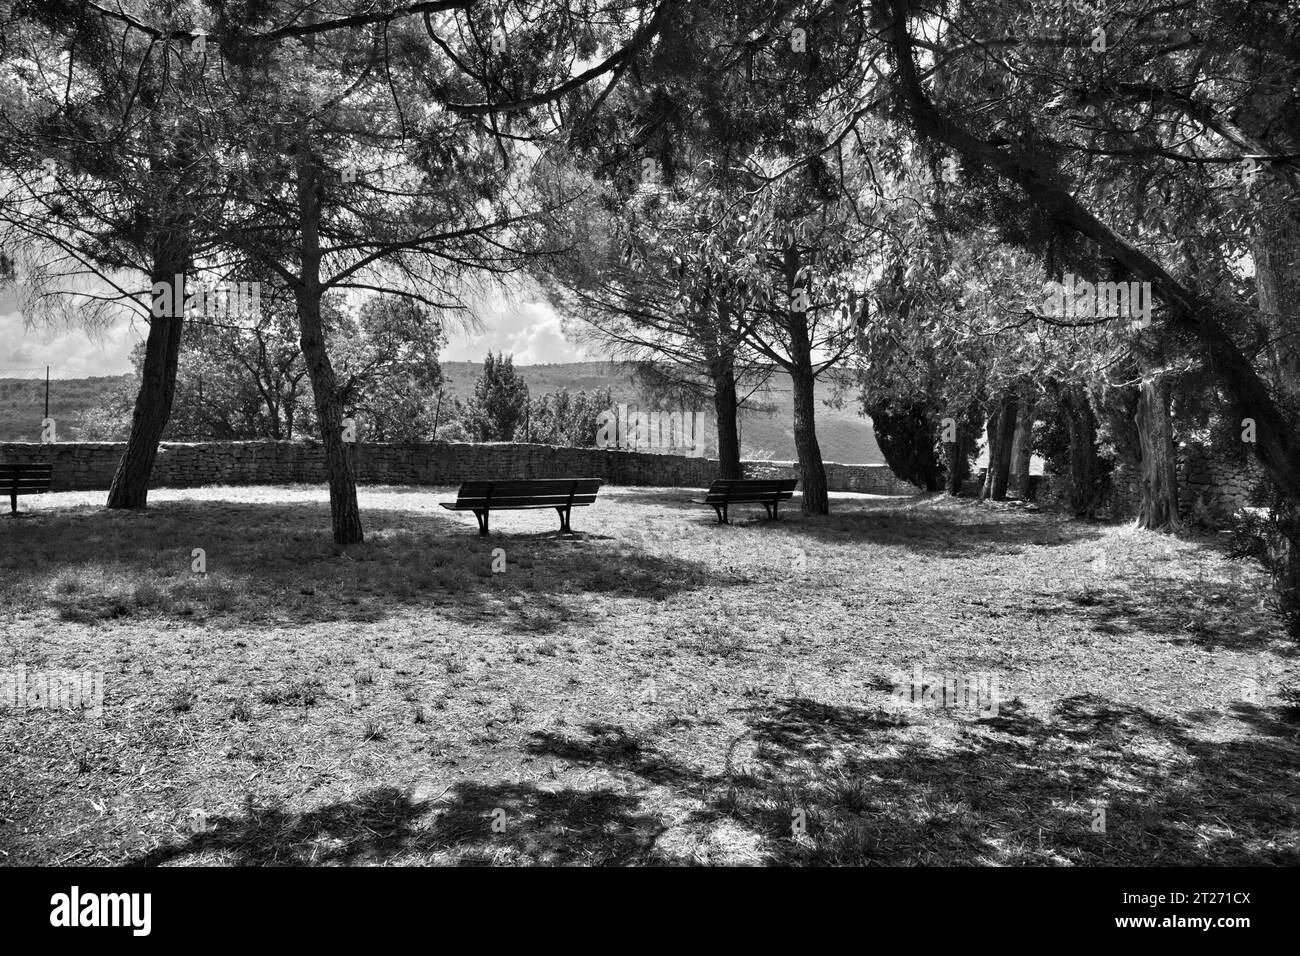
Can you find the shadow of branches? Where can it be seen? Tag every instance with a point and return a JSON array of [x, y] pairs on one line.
[[275, 564], [835, 785]]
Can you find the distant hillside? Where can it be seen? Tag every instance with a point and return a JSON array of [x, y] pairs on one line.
[[575, 376], [22, 403], [844, 435]]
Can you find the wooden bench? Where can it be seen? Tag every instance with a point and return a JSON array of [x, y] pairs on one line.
[[562, 494], [768, 492], [26, 478]]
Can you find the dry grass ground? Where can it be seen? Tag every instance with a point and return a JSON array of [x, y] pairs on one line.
[[656, 689]]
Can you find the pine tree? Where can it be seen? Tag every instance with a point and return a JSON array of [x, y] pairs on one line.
[[500, 400]]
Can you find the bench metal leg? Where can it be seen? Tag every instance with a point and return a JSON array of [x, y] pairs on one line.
[[13, 503], [565, 514], [482, 521], [722, 514]]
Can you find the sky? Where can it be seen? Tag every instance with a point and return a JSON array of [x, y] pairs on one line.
[[530, 330], [70, 352]]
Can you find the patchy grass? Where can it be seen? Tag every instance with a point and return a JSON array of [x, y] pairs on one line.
[[655, 689]]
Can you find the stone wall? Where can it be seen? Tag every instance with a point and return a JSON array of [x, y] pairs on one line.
[[1210, 489], [82, 466]]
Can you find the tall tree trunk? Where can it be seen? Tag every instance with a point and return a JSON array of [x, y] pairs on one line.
[[153, 403], [957, 454], [956, 462], [1159, 507], [1081, 424], [290, 409], [723, 372], [1002, 427], [1022, 445], [812, 472], [1276, 251], [345, 516]]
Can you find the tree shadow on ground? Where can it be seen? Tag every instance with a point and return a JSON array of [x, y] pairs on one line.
[[1213, 616], [934, 527], [95, 566], [1095, 783], [478, 824], [930, 533], [1017, 790]]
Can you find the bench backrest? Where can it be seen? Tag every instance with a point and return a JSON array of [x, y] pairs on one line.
[[742, 490], [536, 492], [25, 478]]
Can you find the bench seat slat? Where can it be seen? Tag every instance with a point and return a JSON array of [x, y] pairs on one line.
[[755, 485], [547, 501], [543, 486], [553, 501], [750, 491]]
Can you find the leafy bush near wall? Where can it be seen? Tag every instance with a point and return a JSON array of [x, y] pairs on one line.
[[1270, 533], [907, 436]]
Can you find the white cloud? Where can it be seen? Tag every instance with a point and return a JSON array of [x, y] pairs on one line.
[[531, 331], [69, 352]]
